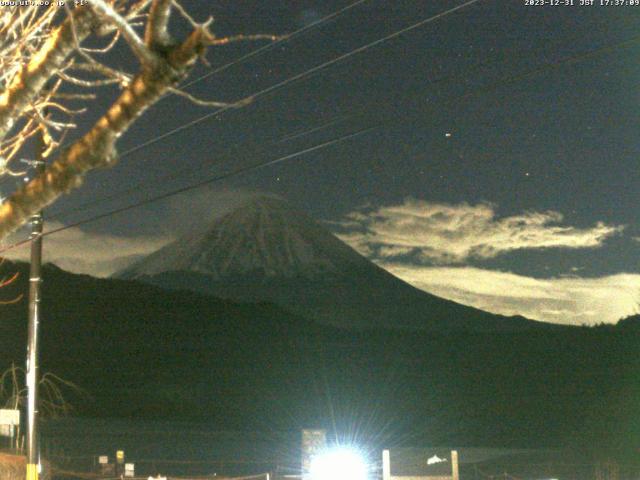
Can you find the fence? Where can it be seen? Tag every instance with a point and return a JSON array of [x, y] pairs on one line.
[[88, 467], [504, 464]]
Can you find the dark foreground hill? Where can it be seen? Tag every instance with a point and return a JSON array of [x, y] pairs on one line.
[[147, 353]]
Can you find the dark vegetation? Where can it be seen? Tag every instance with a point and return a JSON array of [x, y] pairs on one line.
[[144, 352]]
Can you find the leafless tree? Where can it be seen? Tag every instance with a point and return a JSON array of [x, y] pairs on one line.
[[43, 52], [53, 401]]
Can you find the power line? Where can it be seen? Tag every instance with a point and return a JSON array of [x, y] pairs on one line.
[[299, 76], [240, 60], [509, 80], [194, 186], [271, 45], [299, 134], [302, 75], [179, 172]]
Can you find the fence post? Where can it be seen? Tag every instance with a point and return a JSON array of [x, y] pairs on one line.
[[454, 465], [386, 465]]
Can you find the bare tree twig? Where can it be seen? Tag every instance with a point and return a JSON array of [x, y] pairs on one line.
[[245, 38], [27, 85], [210, 103], [138, 47], [42, 51], [156, 34], [97, 147]]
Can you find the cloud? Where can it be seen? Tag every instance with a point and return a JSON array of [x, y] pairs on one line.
[[559, 300], [195, 210], [428, 244], [96, 254], [101, 254], [452, 234]]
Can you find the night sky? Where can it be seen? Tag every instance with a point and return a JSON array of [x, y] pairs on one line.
[[500, 171]]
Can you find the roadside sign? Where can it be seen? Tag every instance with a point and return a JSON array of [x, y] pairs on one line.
[[9, 419], [129, 470], [313, 442], [103, 459]]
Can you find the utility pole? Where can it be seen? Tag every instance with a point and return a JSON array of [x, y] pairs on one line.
[[34, 318]]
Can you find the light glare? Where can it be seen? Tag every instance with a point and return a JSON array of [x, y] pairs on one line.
[[338, 464]]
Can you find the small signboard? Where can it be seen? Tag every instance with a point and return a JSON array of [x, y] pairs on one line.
[[103, 459], [420, 463], [9, 419], [313, 441], [120, 456], [129, 470]]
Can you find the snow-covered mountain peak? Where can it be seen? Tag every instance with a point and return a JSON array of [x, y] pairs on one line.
[[263, 250], [264, 236]]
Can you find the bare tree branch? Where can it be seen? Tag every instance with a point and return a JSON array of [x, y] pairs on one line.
[[86, 83], [106, 48], [97, 67], [244, 38], [138, 47], [39, 50], [97, 147], [75, 96], [210, 103], [188, 17], [28, 84], [157, 34], [55, 390]]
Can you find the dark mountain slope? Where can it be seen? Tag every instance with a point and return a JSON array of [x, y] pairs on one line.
[[266, 251], [144, 352]]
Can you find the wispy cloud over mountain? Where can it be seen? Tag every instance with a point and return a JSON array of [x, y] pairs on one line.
[[436, 247], [570, 300], [98, 254], [80, 250], [452, 234]]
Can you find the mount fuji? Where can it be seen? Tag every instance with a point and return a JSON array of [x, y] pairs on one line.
[[266, 251]]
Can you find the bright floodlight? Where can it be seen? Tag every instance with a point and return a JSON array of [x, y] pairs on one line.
[[338, 464]]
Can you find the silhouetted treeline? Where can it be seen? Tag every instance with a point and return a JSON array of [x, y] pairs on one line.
[[147, 353]]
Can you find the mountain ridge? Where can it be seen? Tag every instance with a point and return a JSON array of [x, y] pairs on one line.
[[142, 351], [263, 233], [264, 250]]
